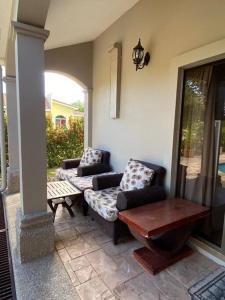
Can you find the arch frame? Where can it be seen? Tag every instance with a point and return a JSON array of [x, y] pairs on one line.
[[87, 105]]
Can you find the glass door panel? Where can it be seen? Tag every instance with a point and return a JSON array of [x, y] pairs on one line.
[[192, 134], [218, 204], [201, 168]]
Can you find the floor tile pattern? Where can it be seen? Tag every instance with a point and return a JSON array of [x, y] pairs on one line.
[[100, 270]]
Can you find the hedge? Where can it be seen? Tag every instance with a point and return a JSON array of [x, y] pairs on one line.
[[63, 142]]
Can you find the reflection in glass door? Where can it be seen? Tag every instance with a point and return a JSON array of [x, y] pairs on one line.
[[218, 207], [201, 168]]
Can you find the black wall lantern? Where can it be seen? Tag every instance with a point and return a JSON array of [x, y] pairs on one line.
[[140, 58]]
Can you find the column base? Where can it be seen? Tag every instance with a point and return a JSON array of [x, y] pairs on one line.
[[35, 235], [13, 180]]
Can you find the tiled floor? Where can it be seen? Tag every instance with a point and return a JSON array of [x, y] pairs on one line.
[[100, 270]]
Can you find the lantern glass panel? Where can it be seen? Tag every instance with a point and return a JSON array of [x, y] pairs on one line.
[[140, 54]]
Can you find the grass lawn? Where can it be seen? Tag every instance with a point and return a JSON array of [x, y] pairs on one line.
[[51, 172]]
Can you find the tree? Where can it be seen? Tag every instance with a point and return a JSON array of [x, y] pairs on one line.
[[79, 104], [193, 117]]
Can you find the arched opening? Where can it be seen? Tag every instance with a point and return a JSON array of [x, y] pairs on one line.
[[65, 105]]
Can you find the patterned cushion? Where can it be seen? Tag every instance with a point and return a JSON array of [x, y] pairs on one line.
[[136, 176], [104, 202], [63, 174], [82, 183], [90, 157], [85, 182]]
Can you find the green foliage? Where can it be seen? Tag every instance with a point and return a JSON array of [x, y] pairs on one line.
[[51, 172], [193, 117], [79, 104], [49, 124], [192, 138], [63, 142]]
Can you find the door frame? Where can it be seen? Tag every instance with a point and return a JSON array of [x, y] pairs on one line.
[[194, 58], [207, 54]]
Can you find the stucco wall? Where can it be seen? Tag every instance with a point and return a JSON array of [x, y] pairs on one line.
[[167, 29], [75, 60]]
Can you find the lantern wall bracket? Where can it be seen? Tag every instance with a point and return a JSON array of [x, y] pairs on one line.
[[145, 62], [140, 59]]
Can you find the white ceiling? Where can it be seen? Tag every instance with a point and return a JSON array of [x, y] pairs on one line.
[[77, 21], [5, 14]]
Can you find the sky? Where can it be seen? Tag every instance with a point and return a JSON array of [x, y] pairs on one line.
[[62, 88]]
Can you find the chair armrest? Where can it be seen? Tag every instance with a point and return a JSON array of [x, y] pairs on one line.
[[70, 163], [92, 170], [106, 181], [135, 198]]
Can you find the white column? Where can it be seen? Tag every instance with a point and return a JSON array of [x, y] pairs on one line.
[[35, 231], [87, 118], [13, 149]]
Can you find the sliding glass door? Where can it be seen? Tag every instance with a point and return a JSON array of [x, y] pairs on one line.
[[201, 167]]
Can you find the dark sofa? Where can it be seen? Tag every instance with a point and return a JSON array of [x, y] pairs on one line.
[[81, 176], [106, 187], [98, 168]]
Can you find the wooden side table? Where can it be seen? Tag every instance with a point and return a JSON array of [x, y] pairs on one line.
[[57, 191], [163, 228]]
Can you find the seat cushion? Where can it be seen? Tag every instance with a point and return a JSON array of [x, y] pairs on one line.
[[82, 183], [136, 176], [66, 174], [85, 182], [90, 157], [104, 202]]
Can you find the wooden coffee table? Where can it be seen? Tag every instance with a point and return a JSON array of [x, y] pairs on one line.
[[57, 191], [163, 228]]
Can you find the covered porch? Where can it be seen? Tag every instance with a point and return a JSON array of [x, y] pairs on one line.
[[86, 265], [74, 258]]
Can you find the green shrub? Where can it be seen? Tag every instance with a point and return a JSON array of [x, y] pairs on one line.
[[63, 142]]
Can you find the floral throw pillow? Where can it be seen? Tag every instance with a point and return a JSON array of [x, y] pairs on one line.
[[136, 176], [90, 157]]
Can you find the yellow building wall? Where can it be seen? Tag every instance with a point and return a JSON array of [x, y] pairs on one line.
[[58, 109]]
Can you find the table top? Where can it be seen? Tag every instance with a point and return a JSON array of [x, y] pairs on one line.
[[156, 218], [59, 189]]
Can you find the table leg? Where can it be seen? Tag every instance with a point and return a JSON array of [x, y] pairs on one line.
[[68, 208], [165, 250], [53, 208], [154, 263]]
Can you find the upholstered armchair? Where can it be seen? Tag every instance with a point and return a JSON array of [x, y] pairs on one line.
[[116, 192], [80, 172]]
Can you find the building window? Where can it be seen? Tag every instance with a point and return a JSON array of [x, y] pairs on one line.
[[60, 121]]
